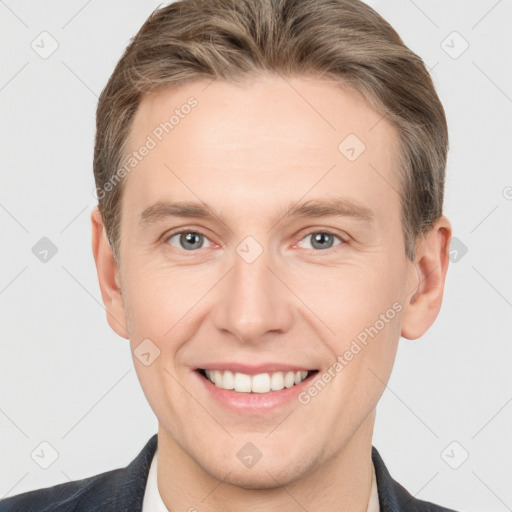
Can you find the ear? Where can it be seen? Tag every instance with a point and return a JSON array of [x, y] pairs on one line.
[[428, 273], [108, 276]]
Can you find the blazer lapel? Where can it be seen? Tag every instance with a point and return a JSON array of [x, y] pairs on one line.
[[129, 485]]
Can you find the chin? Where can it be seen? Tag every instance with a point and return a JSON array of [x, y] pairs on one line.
[[258, 481], [262, 476]]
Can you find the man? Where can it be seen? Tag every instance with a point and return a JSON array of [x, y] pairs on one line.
[[270, 180]]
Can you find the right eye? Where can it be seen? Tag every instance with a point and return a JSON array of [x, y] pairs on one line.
[[187, 240]]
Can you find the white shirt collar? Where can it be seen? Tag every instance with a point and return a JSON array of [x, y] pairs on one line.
[[153, 501], [373, 502]]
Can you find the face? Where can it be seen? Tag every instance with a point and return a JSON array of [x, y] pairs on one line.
[[262, 247]]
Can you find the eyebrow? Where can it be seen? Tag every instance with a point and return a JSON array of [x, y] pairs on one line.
[[325, 207]]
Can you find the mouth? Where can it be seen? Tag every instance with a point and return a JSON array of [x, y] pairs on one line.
[[261, 383]]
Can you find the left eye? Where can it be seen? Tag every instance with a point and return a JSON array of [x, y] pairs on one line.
[[322, 240], [188, 240]]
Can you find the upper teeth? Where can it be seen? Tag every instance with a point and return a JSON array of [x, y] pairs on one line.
[[260, 383]]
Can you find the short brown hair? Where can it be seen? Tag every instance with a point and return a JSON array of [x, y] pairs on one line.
[[345, 40]]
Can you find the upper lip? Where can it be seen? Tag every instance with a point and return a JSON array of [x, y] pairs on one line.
[[254, 369]]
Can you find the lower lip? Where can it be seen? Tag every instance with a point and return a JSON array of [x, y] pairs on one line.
[[254, 402]]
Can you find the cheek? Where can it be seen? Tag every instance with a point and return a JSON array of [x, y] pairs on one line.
[[373, 324], [158, 303], [362, 306], [349, 298], [165, 304], [156, 295]]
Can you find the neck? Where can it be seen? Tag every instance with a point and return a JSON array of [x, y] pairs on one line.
[[340, 484]]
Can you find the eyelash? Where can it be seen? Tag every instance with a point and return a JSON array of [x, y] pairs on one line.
[[343, 241]]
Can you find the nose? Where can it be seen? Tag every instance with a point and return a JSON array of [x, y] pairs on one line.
[[253, 303]]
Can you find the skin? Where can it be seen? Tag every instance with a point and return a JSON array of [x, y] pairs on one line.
[[249, 152]]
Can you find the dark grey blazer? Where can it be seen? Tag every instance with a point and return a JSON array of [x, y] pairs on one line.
[[122, 490]]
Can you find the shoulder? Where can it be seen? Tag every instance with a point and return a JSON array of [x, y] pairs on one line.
[[393, 497], [118, 489], [62, 497]]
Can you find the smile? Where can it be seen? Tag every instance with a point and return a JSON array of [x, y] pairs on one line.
[[259, 383]]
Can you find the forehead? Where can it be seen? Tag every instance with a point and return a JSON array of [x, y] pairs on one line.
[[260, 144]]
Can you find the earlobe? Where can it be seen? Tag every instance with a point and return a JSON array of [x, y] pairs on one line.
[[430, 267], [108, 276]]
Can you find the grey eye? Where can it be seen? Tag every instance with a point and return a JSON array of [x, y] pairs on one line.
[[321, 240], [188, 240]]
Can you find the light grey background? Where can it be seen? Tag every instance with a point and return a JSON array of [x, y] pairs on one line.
[[67, 379]]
